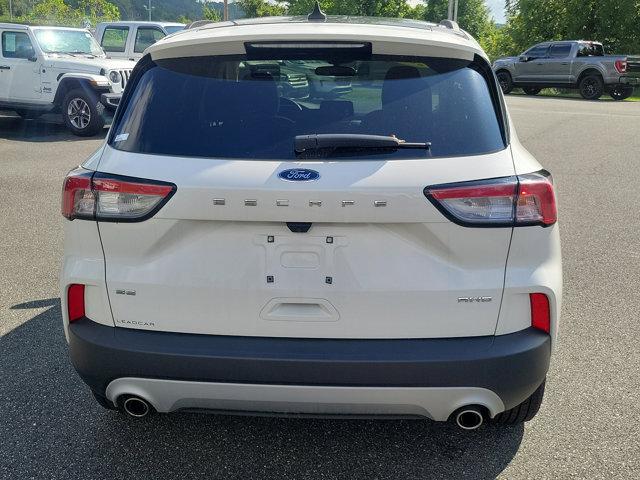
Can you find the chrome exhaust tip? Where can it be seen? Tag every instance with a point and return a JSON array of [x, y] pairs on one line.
[[469, 418], [136, 407]]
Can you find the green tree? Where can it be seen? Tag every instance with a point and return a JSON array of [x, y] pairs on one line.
[[53, 12], [261, 8], [95, 11], [533, 21], [20, 8], [497, 43], [57, 12], [374, 8], [612, 22], [210, 13], [473, 15]]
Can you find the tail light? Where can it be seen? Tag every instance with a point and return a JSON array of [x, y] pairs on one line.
[[104, 197], [540, 313], [75, 302], [621, 66], [521, 200]]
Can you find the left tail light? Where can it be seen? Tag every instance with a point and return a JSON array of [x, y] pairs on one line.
[[112, 198], [522, 200], [75, 302]]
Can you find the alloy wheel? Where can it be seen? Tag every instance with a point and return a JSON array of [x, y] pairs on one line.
[[79, 113]]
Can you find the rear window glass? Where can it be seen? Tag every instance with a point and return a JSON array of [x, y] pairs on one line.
[[590, 50], [145, 37], [221, 108]]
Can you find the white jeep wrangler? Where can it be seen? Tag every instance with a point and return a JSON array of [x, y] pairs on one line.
[[53, 69]]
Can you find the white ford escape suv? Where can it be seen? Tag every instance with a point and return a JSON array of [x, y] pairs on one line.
[[392, 250]]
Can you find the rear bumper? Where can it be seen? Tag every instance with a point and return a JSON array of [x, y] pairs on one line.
[[625, 80], [499, 371]]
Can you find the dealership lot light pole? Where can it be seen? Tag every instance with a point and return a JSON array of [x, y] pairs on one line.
[[149, 8], [453, 10]]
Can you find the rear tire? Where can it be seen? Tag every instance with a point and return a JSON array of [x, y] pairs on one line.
[[591, 87], [531, 90], [83, 113], [523, 412], [505, 81], [621, 92]]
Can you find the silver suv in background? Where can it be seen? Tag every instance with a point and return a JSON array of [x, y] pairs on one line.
[[580, 65]]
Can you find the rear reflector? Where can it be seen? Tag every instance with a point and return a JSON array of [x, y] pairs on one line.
[[104, 197], [75, 302], [540, 314], [498, 202]]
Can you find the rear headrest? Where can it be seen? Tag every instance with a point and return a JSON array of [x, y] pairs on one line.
[[393, 90], [259, 94]]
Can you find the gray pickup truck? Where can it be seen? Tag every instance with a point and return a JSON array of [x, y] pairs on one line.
[[577, 64]]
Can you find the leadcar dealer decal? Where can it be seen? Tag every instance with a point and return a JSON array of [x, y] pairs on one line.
[[299, 175]]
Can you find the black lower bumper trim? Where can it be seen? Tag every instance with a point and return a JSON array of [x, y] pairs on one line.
[[512, 366], [110, 100], [625, 80]]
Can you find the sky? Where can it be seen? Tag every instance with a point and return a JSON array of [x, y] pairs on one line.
[[497, 9]]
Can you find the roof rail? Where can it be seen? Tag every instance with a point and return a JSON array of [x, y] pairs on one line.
[[450, 24], [198, 23], [16, 26]]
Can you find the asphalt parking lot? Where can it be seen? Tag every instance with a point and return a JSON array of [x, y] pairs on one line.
[[589, 425]]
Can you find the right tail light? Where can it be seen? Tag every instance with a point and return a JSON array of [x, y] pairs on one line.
[[540, 312], [521, 200], [621, 66]]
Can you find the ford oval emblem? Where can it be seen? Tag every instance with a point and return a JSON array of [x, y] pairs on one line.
[[299, 175]]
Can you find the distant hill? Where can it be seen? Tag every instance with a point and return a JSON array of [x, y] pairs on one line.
[[170, 10]]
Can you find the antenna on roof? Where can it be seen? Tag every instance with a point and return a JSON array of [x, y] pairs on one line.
[[317, 15]]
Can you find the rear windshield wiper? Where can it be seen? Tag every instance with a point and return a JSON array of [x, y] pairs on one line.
[[332, 141]]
